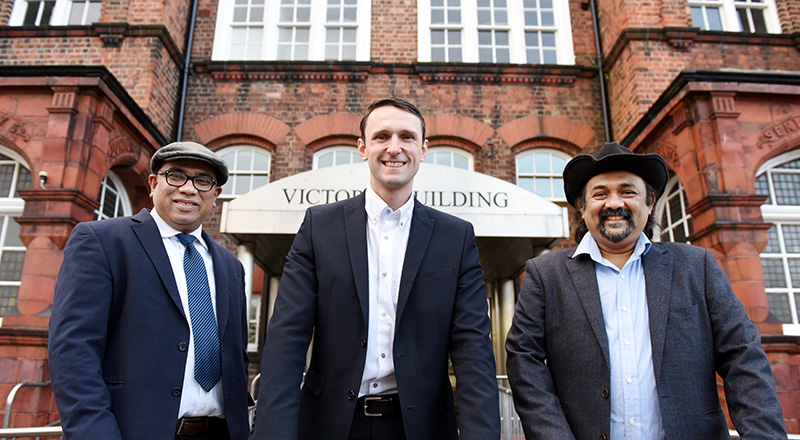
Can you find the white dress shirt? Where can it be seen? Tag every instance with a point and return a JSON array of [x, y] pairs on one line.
[[195, 401], [635, 410], [387, 239]]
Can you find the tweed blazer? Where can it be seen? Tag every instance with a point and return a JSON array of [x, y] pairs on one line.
[[558, 360]]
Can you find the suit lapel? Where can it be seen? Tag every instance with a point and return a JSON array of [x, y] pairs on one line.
[[355, 220], [582, 272], [150, 238], [220, 277], [657, 265], [418, 238]]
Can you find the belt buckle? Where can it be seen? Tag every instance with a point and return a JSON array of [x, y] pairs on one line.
[[188, 421], [371, 399]]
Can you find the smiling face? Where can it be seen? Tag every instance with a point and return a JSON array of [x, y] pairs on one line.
[[616, 209], [183, 208], [393, 146]]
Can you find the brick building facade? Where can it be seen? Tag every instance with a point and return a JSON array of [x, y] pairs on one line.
[[90, 89]]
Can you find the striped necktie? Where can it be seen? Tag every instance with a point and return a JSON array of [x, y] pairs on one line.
[[201, 314]]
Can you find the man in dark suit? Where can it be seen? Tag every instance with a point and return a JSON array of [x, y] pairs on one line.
[[148, 332], [388, 288], [621, 337]]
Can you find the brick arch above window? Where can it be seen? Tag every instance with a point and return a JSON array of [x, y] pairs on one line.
[[458, 127], [235, 128], [334, 125], [561, 131]]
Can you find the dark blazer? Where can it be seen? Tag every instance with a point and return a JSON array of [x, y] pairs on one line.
[[697, 328], [118, 334], [441, 310]]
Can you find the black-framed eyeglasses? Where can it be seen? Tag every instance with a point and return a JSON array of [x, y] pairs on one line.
[[178, 179]]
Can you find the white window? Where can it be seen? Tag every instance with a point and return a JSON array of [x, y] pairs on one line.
[[779, 180], [748, 16], [495, 31], [113, 198], [248, 169], [451, 157], [541, 170], [55, 12], [676, 223], [13, 177], [293, 30], [333, 156]]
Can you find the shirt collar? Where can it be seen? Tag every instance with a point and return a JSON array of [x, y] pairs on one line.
[[588, 246], [168, 231], [376, 207]]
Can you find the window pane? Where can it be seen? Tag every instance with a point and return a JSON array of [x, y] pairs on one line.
[[714, 20], [94, 12], [11, 265], [6, 178], [697, 17], [437, 16], [759, 22], [548, 19], [484, 17], [773, 246], [343, 157], [786, 188], [780, 307], [244, 161], [349, 35], [485, 55], [762, 187], [543, 187], [8, 300], [23, 180], [241, 183], [437, 37], [76, 13], [454, 16], [454, 37], [558, 187], [304, 14], [257, 14], [542, 162], [525, 164], [791, 238], [503, 56], [325, 160], [526, 182], [773, 272], [501, 17], [333, 14], [531, 18], [454, 54], [460, 162], [437, 54], [12, 233], [260, 180]]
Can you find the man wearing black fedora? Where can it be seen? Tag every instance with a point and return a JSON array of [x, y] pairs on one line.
[[622, 337]]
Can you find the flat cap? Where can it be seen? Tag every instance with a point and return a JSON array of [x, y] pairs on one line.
[[613, 157], [190, 151]]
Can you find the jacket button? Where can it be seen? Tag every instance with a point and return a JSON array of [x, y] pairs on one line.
[[363, 342], [176, 391], [183, 346], [605, 393], [351, 395]]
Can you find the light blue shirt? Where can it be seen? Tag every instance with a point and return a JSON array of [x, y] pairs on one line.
[[635, 411]]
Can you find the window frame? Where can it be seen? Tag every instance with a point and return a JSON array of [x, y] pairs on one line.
[[453, 151], [123, 203], [661, 209], [780, 216], [534, 175], [729, 17], [233, 171], [516, 27], [318, 25], [11, 207], [58, 17], [333, 150]]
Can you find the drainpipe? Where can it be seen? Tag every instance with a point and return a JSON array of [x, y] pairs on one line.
[[185, 80], [600, 72]]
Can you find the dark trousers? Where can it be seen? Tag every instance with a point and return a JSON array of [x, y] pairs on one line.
[[216, 431], [386, 427]]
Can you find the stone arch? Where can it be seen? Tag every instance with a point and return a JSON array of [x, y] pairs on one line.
[[546, 131], [231, 128]]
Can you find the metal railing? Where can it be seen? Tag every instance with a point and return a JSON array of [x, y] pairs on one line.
[[37, 432]]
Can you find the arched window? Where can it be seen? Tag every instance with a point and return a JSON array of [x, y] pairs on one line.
[[540, 171], [14, 176], [779, 180], [676, 223], [248, 169], [333, 156], [451, 157], [112, 198]]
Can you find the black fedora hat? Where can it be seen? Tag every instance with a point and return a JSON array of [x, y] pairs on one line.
[[613, 157]]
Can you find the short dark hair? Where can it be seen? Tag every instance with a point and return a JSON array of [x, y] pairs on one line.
[[580, 202], [394, 102]]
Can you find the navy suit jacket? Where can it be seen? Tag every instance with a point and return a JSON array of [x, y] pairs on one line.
[[119, 336], [441, 311], [697, 328]]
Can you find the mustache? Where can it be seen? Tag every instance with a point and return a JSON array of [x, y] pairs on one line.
[[623, 212]]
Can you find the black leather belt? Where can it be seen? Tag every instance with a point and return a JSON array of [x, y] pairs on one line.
[[376, 406], [200, 425]]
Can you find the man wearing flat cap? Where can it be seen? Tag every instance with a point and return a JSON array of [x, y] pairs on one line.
[[622, 338], [148, 332]]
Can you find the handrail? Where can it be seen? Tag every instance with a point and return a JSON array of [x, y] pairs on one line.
[[13, 393], [29, 432]]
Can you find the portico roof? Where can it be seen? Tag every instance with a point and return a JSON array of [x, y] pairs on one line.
[[511, 223]]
